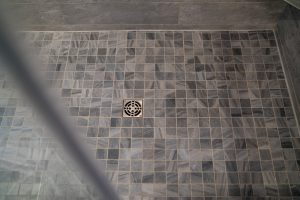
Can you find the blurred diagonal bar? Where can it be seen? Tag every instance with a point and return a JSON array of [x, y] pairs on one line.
[[22, 73], [295, 3]]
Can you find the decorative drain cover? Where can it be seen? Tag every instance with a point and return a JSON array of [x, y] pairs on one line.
[[132, 108]]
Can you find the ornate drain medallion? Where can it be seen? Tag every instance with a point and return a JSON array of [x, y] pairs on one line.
[[132, 108]]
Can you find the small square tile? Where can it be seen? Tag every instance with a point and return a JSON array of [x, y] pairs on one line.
[[113, 153]]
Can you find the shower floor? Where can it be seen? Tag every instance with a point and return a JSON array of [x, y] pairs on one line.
[[217, 118]]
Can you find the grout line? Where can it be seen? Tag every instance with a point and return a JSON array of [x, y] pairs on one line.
[[150, 2], [156, 30]]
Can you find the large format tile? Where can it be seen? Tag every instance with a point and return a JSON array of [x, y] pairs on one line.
[[100, 13], [231, 14]]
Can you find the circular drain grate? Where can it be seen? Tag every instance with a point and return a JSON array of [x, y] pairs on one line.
[[132, 108]]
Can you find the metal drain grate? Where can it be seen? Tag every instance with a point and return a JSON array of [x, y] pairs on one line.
[[132, 108]]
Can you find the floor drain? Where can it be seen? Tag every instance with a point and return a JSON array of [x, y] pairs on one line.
[[132, 108]]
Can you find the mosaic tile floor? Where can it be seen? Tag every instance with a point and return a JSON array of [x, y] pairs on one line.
[[217, 120]]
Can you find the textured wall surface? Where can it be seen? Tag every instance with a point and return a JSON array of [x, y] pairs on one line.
[[288, 32], [141, 14]]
